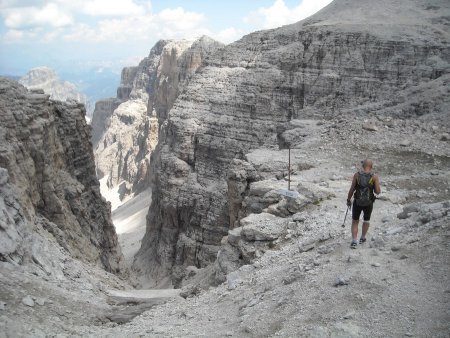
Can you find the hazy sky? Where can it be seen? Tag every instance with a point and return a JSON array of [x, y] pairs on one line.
[[84, 33]]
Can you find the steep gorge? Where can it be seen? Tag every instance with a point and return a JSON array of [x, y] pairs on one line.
[[249, 95]]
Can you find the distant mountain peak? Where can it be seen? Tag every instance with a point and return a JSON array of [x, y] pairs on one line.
[[47, 79]]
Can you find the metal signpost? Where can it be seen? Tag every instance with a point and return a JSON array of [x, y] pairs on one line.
[[288, 193]]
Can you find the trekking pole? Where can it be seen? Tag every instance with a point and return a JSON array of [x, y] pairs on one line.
[[289, 169], [343, 224]]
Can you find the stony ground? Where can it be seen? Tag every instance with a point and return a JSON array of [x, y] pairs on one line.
[[310, 283]]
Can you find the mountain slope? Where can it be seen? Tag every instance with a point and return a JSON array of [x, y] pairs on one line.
[[249, 95]]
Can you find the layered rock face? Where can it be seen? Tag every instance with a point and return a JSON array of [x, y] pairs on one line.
[[104, 109], [249, 95], [101, 118], [46, 79], [147, 93], [48, 186]]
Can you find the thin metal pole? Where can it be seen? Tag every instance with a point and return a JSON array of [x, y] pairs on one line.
[[289, 170], [343, 224]]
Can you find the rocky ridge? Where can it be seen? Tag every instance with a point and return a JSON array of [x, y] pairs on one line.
[[48, 183], [144, 97], [254, 93]]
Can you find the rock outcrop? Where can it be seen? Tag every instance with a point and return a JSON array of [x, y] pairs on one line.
[[46, 79], [48, 187], [104, 109], [146, 94], [250, 95], [101, 117]]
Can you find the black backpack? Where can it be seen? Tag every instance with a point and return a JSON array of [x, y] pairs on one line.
[[364, 195]]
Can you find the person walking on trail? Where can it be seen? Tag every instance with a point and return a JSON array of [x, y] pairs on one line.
[[364, 186]]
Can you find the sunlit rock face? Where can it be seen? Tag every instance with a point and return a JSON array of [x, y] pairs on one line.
[[146, 95]]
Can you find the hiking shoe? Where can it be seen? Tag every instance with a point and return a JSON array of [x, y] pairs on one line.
[[362, 240], [353, 245]]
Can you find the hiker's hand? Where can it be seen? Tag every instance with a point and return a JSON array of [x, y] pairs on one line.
[[349, 203]]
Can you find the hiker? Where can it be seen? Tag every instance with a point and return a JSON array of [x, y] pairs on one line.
[[365, 185]]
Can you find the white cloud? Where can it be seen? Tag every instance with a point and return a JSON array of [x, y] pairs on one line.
[[228, 35], [180, 19], [279, 14], [51, 35], [116, 21], [112, 8], [15, 35], [59, 13], [5, 4], [169, 23], [49, 15]]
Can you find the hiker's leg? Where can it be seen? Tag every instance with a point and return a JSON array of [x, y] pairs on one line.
[[366, 222], [355, 229], [356, 213], [365, 228]]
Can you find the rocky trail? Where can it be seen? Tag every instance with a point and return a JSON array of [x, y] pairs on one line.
[[305, 281], [310, 283]]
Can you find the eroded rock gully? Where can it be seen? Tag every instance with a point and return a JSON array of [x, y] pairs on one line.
[[251, 93]]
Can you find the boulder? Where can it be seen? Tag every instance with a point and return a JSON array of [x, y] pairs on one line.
[[262, 227], [445, 137], [28, 301], [405, 143], [370, 127]]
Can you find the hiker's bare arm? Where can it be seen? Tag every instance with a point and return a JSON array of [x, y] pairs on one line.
[[376, 184], [352, 188]]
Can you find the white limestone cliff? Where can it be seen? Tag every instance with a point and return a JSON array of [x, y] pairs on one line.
[[146, 95]]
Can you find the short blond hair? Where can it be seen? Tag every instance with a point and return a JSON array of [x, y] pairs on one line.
[[367, 163]]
